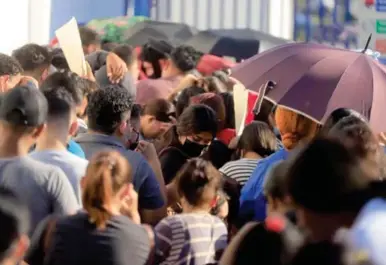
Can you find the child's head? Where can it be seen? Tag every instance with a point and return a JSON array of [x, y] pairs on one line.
[[198, 184]]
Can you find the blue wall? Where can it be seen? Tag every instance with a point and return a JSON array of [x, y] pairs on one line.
[[84, 11]]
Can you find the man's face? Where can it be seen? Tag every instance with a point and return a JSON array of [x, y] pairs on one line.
[[151, 128], [8, 82]]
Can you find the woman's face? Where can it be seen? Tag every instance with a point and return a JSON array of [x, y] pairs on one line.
[[203, 138], [148, 68]]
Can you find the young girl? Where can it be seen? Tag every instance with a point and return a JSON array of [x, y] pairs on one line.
[[195, 236]]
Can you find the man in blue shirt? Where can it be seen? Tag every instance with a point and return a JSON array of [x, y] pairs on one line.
[[108, 116]]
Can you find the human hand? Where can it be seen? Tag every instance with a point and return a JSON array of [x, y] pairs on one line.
[[147, 150], [116, 68], [129, 206]]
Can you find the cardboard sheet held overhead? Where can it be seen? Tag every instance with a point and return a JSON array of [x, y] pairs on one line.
[[69, 40]]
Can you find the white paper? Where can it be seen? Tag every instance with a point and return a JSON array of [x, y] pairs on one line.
[[240, 98], [69, 40]]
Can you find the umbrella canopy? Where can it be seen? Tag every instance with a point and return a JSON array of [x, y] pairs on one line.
[[177, 33], [315, 80], [237, 43]]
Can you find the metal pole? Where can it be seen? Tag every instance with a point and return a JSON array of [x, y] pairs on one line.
[[142, 8]]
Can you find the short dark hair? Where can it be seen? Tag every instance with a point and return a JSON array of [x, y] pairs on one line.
[[68, 80], [259, 138], [60, 103], [125, 52], [183, 99], [14, 219], [136, 111], [185, 57], [59, 60], [107, 107], [160, 108], [89, 36], [33, 57], [9, 65], [336, 116], [196, 119]]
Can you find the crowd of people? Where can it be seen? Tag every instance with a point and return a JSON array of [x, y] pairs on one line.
[[138, 162]]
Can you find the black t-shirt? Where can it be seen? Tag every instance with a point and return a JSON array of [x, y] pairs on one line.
[[172, 159], [76, 241]]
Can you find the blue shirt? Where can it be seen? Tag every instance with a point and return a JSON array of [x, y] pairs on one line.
[[75, 149], [252, 201], [144, 179]]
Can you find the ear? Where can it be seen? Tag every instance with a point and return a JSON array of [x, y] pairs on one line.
[[73, 128], [44, 75], [38, 131], [126, 191], [123, 127]]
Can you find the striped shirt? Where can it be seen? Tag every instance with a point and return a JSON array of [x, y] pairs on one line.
[[190, 239], [240, 170]]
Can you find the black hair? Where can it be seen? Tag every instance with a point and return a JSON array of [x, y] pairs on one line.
[[60, 103], [266, 111], [335, 117], [89, 36], [327, 176], [136, 111], [33, 57], [183, 98], [185, 57], [107, 107], [69, 80], [196, 119], [125, 52], [259, 138], [153, 51], [109, 46], [198, 181], [9, 65], [59, 60], [160, 108], [14, 219]]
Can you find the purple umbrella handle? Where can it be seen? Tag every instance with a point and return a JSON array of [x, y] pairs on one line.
[[262, 92]]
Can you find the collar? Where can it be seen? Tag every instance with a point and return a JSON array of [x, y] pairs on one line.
[[100, 139]]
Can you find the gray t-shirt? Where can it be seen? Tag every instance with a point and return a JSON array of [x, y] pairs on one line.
[[43, 187], [73, 166]]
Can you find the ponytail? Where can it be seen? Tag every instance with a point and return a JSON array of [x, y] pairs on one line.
[[105, 176]]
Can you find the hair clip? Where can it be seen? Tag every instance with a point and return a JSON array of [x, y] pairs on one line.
[[275, 224], [107, 159]]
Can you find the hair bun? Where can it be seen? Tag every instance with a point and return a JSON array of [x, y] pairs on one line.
[[199, 175]]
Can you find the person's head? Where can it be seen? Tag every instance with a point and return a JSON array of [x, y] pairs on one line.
[[127, 54], [183, 99], [154, 55], [15, 222], [108, 112], [59, 60], [90, 39], [23, 115], [294, 127], [356, 131], [61, 120], [215, 102], [221, 209], [70, 81], [329, 182], [266, 114], [275, 190], [181, 60], [106, 186], [10, 72], [155, 116], [335, 117], [87, 87], [35, 60], [198, 184], [109, 46], [196, 128], [257, 138]]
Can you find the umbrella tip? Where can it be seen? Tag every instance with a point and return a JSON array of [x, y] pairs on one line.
[[367, 43]]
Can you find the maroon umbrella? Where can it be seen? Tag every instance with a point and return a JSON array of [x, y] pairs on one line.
[[315, 80]]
